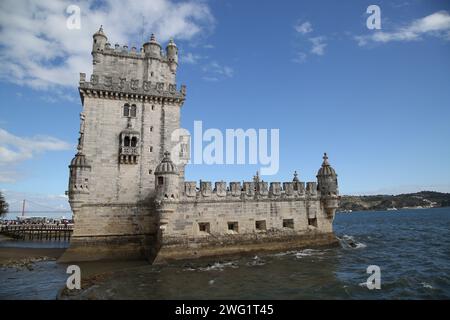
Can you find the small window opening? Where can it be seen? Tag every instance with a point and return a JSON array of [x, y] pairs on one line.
[[233, 226], [312, 222], [260, 225], [160, 180], [126, 110], [133, 111], [133, 141], [204, 227], [288, 223], [126, 142]]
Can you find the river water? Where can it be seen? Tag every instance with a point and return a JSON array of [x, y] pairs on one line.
[[411, 248]]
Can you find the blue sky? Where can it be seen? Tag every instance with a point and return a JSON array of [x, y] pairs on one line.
[[378, 101]]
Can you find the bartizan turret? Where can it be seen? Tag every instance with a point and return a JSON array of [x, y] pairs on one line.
[[328, 187], [172, 55], [78, 181], [166, 189], [152, 48], [99, 41]]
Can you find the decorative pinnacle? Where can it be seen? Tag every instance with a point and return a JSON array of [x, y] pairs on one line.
[[325, 160], [295, 176], [256, 177], [152, 38], [166, 154]]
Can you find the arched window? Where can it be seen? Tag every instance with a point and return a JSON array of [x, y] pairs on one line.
[[126, 110], [126, 141], [133, 111], [160, 181], [133, 141]]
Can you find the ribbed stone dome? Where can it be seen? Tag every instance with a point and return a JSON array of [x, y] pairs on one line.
[[79, 160], [100, 32], [166, 165], [326, 169]]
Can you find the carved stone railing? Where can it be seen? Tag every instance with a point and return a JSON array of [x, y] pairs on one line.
[[131, 151]]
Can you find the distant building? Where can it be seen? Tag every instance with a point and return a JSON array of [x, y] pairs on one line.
[[130, 200]]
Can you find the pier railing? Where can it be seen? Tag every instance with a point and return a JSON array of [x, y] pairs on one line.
[[38, 232]]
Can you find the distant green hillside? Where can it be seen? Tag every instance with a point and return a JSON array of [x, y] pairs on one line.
[[423, 199]]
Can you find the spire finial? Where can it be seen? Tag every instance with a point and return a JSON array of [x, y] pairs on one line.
[[295, 176], [325, 160], [153, 38], [166, 154], [256, 177]]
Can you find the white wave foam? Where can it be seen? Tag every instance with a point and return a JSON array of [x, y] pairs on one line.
[[349, 242], [426, 285]]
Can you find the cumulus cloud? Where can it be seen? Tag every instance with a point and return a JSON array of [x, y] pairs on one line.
[[436, 24], [304, 28], [14, 149], [215, 71], [318, 45], [191, 58], [38, 50]]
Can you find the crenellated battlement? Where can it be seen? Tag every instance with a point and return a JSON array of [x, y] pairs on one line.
[[247, 190], [124, 51], [116, 87]]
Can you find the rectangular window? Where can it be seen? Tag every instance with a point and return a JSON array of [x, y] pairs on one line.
[[312, 222], [233, 226], [288, 223], [160, 181], [260, 225], [204, 227]]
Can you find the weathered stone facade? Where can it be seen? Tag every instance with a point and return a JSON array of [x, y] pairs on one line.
[[129, 199]]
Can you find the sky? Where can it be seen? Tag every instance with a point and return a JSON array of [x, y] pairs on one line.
[[376, 100]]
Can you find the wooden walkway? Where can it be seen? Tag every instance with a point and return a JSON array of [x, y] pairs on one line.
[[38, 232]]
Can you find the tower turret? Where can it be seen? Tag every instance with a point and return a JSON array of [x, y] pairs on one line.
[[99, 41], [166, 185], [172, 55], [166, 179], [328, 187], [152, 48], [78, 180]]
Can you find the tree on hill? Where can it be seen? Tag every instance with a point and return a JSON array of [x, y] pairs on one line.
[[3, 205]]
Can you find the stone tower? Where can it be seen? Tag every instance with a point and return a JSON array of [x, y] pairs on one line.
[[130, 108]]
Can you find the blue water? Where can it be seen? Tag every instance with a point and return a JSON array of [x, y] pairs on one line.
[[411, 247]]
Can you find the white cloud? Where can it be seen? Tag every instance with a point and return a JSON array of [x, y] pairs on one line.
[[318, 45], [300, 57], [304, 28], [214, 71], [191, 58], [436, 24], [38, 50], [14, 149]]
